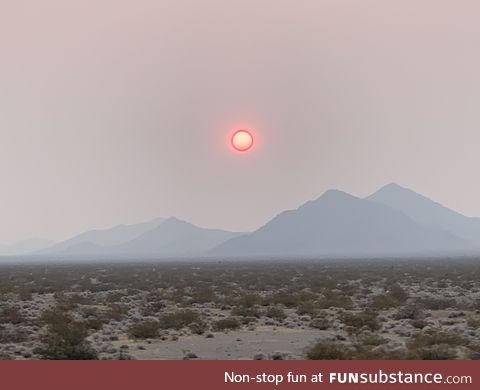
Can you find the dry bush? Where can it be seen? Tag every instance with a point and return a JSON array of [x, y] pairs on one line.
[[327, 350], [65, 339], [230, 323], [357, 321], [277, 313], [144, 330]]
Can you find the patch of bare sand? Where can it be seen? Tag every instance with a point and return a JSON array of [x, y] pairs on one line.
[[236, 345]]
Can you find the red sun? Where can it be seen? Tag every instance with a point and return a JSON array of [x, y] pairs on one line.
[[242, 140]]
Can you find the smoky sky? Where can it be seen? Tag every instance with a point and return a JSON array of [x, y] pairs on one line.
[[119, 111]]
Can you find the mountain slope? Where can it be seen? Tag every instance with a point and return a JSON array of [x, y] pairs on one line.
[[172, 237], [103, 238], [24, 247], [176, 237], [339, 223], [427, 212]]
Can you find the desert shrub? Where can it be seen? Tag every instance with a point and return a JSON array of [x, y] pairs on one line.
[[306, 295], [473, 322], [307, 307], [144, 330], [475, 304], [321, 323], [437, 303], [11, 314], [434, 352], [68, 302], [54, 315], [277, 313], [13, 335], [394, 296], [177, 295], [434, 346], [154, 296], [116, 311], [249, 300], [94, 318], [247, 320], [418, 323], [230, 323], [204, 294], [371, 339], [397, 293], [152, 308], [245, 311], [383, 301], [114, 297], [331, 299], [65, 339], [5, 356], [284, 298], [327, 350], [357, 321], [198, 327], [25, 294], [432, 338], [474, 350], [178, 319], [409, 312], [95, 323], [372, 352], [77, 299]]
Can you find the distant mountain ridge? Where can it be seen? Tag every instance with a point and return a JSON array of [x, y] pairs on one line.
[[104, 237], [427, 212], [341, 224], [25, 247], [176, 237], [392, 221], [160, 237]]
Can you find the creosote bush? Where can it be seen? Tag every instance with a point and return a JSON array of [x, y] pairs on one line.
[[327, 350], [64, 339], [179, 319], [434, 346], [356, 321], [230, 323], [11, 314], [144, 330], [277, 313]]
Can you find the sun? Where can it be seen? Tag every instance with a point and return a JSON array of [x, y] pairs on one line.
[[242, 140]]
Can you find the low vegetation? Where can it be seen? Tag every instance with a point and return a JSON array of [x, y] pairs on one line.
[[336, 309]]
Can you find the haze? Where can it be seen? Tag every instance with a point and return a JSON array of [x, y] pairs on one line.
[[120, 111]]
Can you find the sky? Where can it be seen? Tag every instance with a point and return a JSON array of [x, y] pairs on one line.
[[118, 111]]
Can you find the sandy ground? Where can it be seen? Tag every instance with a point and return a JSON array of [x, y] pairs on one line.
[[237, 345]]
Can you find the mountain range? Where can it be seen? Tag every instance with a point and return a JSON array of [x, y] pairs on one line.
[[427, 212], [341, 224], [25, 246], [392, 221]]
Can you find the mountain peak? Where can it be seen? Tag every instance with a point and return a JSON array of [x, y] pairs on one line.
[[336, 194], [394, 190], [393, 187], [427, 212], [334, 191], [338, 223], [172, 219]]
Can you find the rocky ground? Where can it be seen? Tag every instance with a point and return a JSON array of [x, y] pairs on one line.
[[314, 309]]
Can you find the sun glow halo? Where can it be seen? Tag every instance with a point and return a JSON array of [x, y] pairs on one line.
[[242, 140]]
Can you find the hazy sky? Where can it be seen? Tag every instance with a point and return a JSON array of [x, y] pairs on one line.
[[118, 111]]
